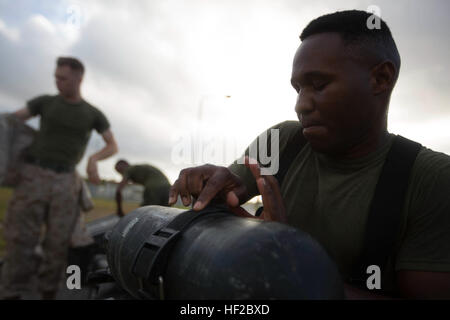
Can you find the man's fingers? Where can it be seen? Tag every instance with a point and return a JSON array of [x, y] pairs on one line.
[[253, 165], [271, 202], [189, 183], [273, 205], [204, 184], [93, 174], [275, 187], [211, 189], [182, 188], [265, 190], [232, 199], [194, 184], [173, 194]]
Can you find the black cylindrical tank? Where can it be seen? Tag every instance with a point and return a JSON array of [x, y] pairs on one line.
[[222, 256]]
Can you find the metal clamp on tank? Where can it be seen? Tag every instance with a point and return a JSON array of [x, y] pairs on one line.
[[150, 262], [152, 257]]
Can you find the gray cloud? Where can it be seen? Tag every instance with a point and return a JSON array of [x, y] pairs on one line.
[[151, 63]]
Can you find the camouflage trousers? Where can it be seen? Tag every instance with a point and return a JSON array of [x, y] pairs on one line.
[[42, 198]]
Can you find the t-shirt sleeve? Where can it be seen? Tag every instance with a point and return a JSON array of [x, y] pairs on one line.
[[101, 123], [266, 148], [426, 243], [36, 105]]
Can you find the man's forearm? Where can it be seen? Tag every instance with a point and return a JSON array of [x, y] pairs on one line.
[[104, 153], [119, 201], [23, 114]]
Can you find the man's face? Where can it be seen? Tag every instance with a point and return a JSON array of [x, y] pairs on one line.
[[67, 81], [335, 104]]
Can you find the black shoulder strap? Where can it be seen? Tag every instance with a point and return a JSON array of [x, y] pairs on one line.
[[385, 211], [293, 148], [150, 263]]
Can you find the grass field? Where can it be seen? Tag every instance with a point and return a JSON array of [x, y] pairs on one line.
[[102, 208]]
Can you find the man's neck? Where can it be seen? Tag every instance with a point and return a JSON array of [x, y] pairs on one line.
[[72, 98], [367, 145]]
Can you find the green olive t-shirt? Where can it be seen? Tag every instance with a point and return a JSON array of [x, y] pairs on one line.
[[146, 175], [330, 200], [65, 128]]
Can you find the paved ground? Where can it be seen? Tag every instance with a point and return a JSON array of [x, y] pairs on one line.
[[96, 260], [105, 291]]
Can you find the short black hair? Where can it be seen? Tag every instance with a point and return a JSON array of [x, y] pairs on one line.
[[351, 25], [71, 62], [122, 161]]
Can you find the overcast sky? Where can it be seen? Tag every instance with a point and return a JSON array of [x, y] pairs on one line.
[[207, 74]]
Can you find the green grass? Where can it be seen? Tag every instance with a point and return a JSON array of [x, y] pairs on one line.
[[104, 207], [5, 195]]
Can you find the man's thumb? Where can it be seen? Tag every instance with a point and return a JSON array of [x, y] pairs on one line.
[[232, 199]]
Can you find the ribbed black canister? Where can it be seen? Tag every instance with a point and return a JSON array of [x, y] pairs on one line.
[[222, 256]]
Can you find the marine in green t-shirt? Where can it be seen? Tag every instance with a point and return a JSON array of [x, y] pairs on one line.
[[48, 191], [330, 199], [156, 185], [344, 74]]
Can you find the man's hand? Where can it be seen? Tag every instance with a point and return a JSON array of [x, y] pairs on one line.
[[269, 190], [92, 171], [108, 150], [23, 114], [206, 183], [209, 182]]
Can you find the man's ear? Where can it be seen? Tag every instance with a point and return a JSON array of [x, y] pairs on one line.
[[383, 77], [78, 75]]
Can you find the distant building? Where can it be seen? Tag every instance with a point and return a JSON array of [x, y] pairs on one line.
[[107, 190]]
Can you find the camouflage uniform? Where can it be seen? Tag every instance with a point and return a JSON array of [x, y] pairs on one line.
[[42, 197], [45, 197]]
